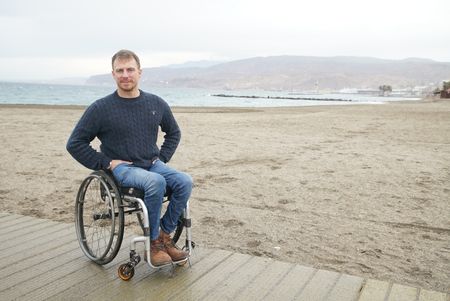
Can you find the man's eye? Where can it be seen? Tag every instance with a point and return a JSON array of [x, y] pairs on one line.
[[130, 70]]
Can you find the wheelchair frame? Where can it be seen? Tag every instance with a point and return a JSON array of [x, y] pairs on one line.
[[110, 204]]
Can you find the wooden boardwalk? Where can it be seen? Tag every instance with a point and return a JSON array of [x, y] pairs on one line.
[[41, 260]]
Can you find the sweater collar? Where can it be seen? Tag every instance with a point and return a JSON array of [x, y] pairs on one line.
[[129, 100]]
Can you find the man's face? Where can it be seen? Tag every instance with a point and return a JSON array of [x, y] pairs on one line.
[[126, 74]]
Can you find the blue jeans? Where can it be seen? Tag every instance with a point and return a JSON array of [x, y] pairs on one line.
[[153, 182]]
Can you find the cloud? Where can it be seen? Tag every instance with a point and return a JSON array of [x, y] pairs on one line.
[[77, 30]]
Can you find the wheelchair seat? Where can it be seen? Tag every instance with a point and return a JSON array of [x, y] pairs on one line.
[[133, 191], [139, 193]]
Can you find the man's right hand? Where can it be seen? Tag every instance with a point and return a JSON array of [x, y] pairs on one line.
[[114, 163]]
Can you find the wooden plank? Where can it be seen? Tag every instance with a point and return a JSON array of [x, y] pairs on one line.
[[20, 227], [25, 228], [94, 283], [39, 269], [81, 281], [347, 288], [26, 234], [14, 219], [53, 249], [153, 286], [211, 279], [292, 283], [50, 278], [402, 293], [233, 285], [160, 285], [319, 286], [11, 219], [12, 216], [31, 248], [163, 289], [84, 269], [426, 295], [19, 258], [374, 290], [264, 282], [17, 224]]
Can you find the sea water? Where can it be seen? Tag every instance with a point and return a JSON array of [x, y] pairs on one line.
[[53, 94]]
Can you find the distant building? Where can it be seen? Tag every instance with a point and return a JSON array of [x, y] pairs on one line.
[[445, 93]]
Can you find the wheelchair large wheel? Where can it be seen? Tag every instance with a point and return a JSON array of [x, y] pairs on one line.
[[178, 230], [99, 218]]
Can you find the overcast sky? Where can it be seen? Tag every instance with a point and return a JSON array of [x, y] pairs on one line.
[[47, 39]]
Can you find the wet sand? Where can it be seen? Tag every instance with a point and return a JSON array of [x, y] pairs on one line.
[[361, 189]]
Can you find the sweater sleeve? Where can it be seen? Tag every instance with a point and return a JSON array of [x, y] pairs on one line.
[[79, 141], [172, 135]]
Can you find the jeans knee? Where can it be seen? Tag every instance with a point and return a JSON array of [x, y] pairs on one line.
[[186, 181], [155, 184]]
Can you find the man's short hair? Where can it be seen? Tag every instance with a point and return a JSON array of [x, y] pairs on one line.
[[125, 54]]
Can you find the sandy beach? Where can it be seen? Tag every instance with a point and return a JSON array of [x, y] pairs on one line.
[[361, 189]]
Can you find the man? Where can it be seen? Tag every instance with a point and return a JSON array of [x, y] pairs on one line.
[[127, 123]]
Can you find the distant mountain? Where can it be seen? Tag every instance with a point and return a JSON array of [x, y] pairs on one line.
[[193, 64], [296, 73]]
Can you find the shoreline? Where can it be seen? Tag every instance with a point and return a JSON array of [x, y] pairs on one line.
[[215, 108]]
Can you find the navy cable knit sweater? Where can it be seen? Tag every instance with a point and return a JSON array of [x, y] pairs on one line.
[[127, 129]]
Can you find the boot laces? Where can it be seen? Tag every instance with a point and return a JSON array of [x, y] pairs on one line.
[[157, 246], [168, 242]]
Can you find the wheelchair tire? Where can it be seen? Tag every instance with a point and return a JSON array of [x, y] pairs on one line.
[[99, 218], [178, 230]]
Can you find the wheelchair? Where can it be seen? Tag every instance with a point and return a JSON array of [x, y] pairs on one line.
[[100, 209]]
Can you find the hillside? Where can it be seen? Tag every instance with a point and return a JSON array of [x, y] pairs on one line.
[[296, 73]]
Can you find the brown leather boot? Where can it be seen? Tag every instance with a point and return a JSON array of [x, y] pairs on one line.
[[158, 255], [174, 252]]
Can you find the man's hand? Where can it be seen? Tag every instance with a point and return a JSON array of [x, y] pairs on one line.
[[114, 163]]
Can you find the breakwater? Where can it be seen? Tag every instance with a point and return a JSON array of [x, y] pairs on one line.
[[281, 97]]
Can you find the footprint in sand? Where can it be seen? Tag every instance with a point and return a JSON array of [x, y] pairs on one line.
[[208, 220], [253, 243], [285, 201], [232, 223]]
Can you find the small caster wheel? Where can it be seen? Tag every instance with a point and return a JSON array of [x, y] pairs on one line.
[[125, 272]]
